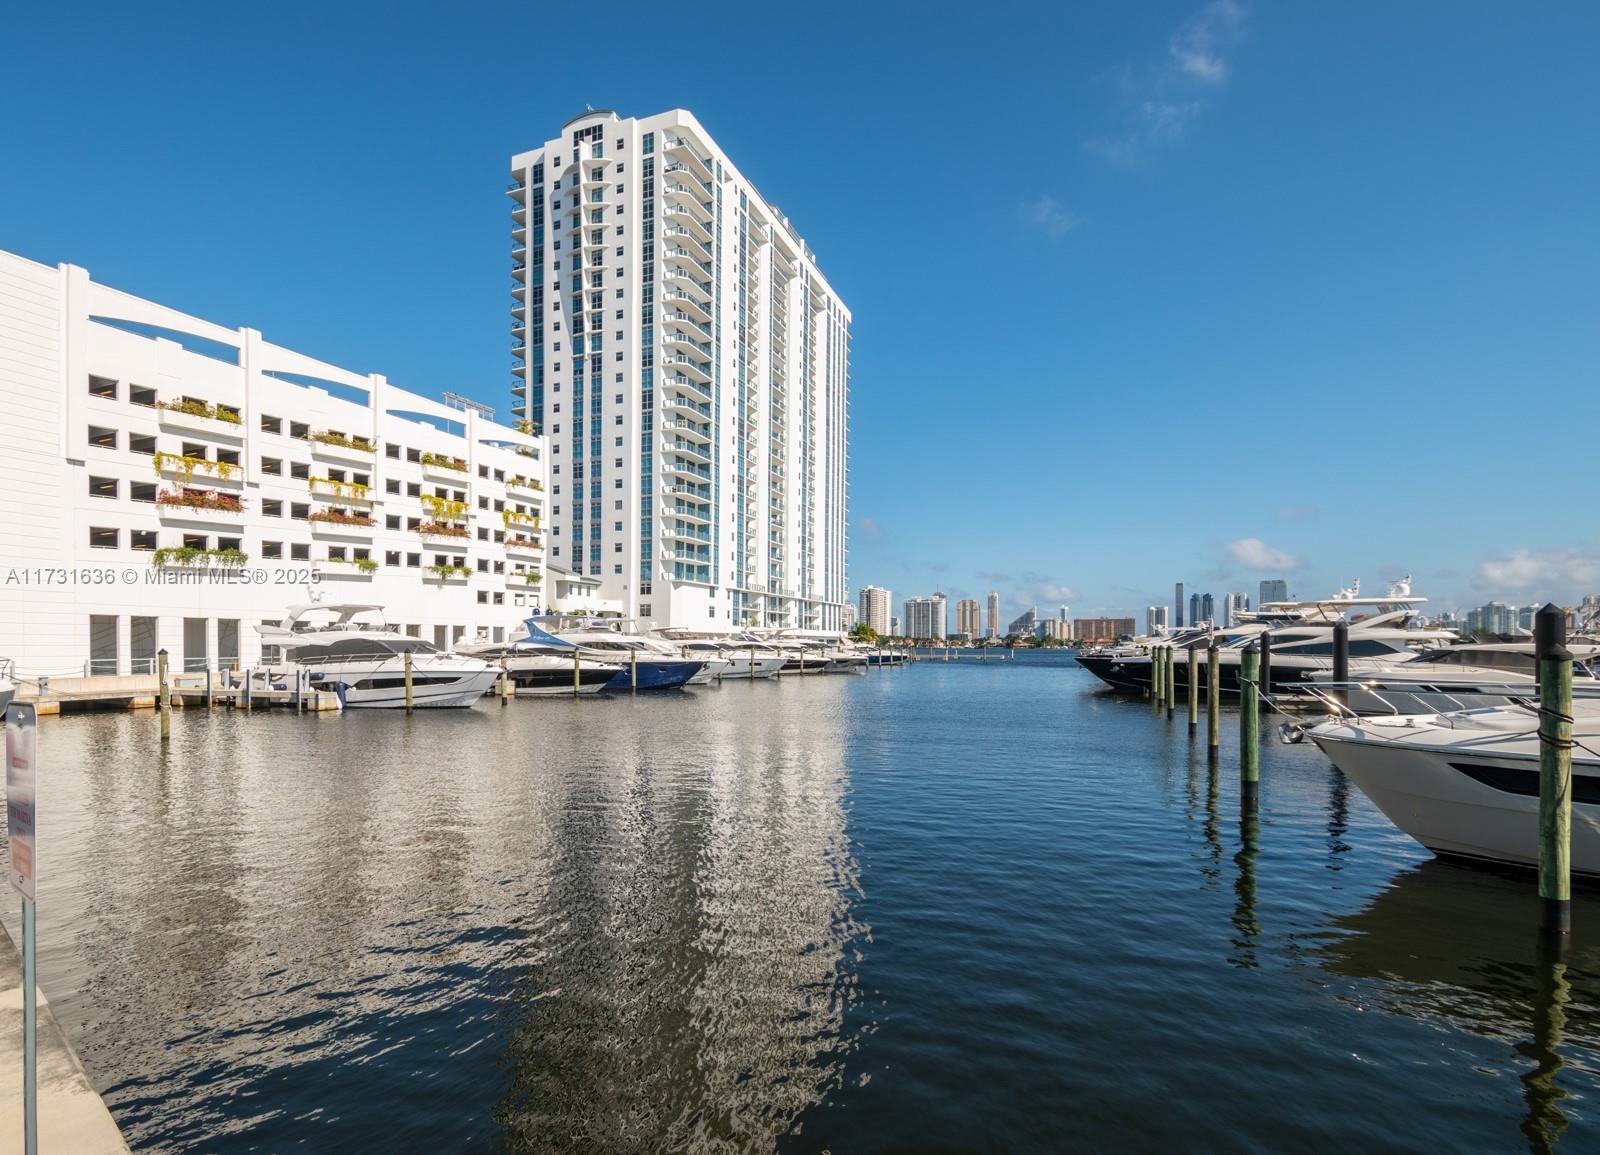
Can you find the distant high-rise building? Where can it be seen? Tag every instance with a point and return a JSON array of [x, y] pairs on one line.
[[1026, 624], [1273, 590], [1155, 619], [894, 628], [967, 617], [1177, 606], [992, 625], [1194, 610], [849, 617], [1057, 629], [1493, 618], [925, 618], [1233, 604], [1208, 610], [874, 605], [1102, 629]]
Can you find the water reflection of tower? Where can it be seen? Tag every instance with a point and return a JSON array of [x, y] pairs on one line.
[[692, 990]]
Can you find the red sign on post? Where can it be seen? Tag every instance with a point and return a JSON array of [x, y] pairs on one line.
[[22, 746]]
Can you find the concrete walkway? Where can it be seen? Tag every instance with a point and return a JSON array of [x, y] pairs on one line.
[[73, 1119]]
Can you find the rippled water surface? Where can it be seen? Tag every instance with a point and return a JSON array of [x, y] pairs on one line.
[[954, 907]]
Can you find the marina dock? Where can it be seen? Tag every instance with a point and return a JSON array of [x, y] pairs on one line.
[[72, 1116]]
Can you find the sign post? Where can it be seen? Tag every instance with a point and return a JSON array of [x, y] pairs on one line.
[[22, 746]]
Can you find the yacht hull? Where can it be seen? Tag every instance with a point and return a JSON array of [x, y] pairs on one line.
[[386, 691], [655, 676], [546, 681], [1463, 803], [759, 668]]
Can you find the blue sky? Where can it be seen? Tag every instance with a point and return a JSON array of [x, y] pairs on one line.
[[1209, 292]]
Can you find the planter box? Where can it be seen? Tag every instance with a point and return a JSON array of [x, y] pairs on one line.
[[339, 571], [324, 451], [192, 515], [338, 530], [193, 423], [446, 475]]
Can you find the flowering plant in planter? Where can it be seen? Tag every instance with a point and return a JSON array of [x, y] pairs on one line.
[[441, 529], [340, 517], [445, 572], [444, 461], [443, 509], [189, 555], [201, 499], [201, 409], [186, 467], [346, 441]]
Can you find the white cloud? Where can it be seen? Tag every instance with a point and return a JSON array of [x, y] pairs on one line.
[[1158, 101], [1197, 47], [1253, 553], [1042, 592], [868, 530], [1553, 573], [1047, 214]]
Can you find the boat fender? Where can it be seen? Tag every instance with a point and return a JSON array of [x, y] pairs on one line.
[[339, 688], [1291, 734]]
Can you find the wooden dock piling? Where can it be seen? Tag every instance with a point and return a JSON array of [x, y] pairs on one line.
[[164, 695], [1213, 700], [1555, 768], [577, 671], [1194, 688], [1249, 726], [1341, 662], [408, 683], [1172, 681], [1266, 670]]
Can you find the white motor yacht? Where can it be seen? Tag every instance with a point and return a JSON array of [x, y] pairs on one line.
[[1456, 677], [1467, 783], [351, 649], [744, 658], [655, 664], [542, 666]]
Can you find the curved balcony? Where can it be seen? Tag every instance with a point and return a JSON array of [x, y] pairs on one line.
[[697, 372], [692, 389], [692, 219], [689, 321], [684, 534], [688, 240], [594, 176], [683, 509], [683, 467], [682, 404], [677, 339], [688, 304], [696, 430], [682, 150], [689, 449]]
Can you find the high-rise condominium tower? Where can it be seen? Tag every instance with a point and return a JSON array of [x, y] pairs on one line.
[[874, 608], [992, 615], [967, 617], [1177, 605], [676, 342], [1273, 590]]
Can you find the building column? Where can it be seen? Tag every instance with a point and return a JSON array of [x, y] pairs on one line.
[[124, 644]]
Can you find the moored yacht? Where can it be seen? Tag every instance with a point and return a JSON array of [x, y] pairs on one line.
[[351, 649], [1301, 642], [1467, 783], [541, 665], [653, 662], [1456, 677]]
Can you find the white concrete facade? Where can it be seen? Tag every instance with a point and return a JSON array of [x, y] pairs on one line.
[[130, 525], [674, 339]]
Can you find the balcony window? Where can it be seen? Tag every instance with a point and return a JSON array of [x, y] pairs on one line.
[[102, 387], [142, 491], [103, 538], [272, 550], [299, 551], [102, 438], [272, 465], [142, 395], [195, 541], [144, 539], [300, 431], [271, 508], [103, 487], [271, 424]]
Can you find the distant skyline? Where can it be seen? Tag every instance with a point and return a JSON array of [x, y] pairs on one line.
[[1282, 290]]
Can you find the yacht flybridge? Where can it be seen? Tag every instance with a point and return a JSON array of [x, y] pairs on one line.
[[351, 649]]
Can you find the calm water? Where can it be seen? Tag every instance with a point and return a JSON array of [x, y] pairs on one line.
[[957, 907]]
